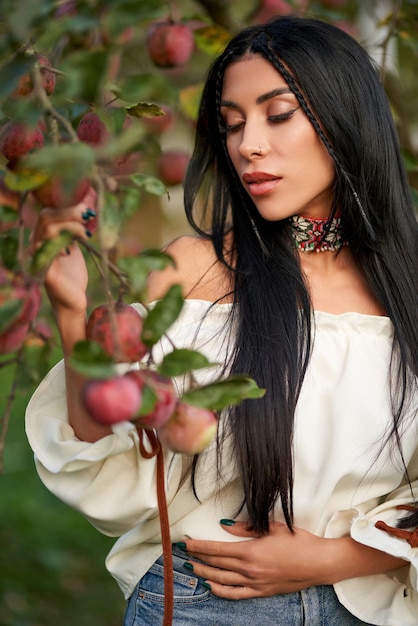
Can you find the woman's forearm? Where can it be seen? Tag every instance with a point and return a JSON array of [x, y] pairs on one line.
[[346, 558], [72, 328]]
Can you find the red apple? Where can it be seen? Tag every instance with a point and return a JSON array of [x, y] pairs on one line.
[[23, 288], [25, 84], [163, 388], [172, 166], [19, 139], [169, 43], [111, 400], [92, 130], [189, 430], [123, 342], [54, 194]]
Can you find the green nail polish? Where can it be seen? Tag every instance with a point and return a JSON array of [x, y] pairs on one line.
[[181, 545], [205, 584], [227, 522], [188, 566], [88, 233]]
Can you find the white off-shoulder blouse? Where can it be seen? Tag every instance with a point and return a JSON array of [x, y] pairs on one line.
[[342, 485]]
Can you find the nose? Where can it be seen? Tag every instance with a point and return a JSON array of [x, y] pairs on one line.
[[252, 144]]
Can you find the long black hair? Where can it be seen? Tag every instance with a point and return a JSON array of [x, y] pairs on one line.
[[338, 88]]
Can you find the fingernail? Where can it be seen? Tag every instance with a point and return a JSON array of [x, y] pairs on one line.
[[67, 250], [181, 545], [227, 522], [205, 584], [88, 233], [188, 566], [87, 214]]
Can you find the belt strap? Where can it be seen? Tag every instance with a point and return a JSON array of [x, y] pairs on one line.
[[155, 449]]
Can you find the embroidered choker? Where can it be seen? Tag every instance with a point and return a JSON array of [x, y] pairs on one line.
[[317, 235]]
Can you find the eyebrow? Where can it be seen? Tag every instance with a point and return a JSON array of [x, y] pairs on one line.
[[263, 98]]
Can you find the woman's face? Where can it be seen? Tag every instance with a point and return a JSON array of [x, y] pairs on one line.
[[294, 173]]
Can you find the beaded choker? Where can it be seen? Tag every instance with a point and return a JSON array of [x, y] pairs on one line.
[[317, 235]]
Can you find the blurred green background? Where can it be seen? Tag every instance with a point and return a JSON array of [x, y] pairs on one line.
[[51, 560]]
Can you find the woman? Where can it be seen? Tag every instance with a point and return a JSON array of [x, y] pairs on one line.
[[302, 275]]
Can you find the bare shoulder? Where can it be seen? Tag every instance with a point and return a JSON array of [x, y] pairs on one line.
[[196, 269]]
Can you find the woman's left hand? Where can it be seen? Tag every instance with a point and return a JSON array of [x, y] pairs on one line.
[[277, 563]]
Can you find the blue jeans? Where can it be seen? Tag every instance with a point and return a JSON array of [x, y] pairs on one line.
[[194, 605]]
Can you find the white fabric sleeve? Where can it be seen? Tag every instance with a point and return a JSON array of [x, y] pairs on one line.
[[107, 481], [391, 597]]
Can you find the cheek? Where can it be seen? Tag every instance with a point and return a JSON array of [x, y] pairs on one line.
[[232, 147]]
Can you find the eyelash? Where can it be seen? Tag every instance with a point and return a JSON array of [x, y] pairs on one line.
[[275, 119]]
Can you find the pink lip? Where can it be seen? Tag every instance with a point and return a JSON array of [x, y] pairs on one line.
[[260, 183]]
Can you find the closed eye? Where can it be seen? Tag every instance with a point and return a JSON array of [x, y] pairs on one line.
[[275, 119], [282, 117]]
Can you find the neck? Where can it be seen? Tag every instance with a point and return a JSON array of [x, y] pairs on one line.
[[317, 235]]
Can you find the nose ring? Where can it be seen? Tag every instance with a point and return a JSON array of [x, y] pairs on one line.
[[260, 151]]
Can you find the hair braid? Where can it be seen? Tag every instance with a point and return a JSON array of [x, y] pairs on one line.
[[261, 44]]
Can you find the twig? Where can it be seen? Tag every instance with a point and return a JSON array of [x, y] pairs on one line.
[[49, 109], [107, 262]]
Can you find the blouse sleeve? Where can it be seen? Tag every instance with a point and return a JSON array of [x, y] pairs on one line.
[[391, 597], [108, 481]]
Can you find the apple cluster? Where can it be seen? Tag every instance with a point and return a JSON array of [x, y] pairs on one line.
[[142, 395]]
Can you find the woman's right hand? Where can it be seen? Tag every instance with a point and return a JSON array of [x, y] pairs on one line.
[[66, 278]]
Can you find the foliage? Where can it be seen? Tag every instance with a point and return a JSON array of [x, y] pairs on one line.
[[98, 53]]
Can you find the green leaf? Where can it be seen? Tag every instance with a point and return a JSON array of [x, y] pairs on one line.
[[212, 39], [137, 268], [189, 100], [181, 361], [7, 215], [70, 161], [36, 363], [25, 179], [44, 256], [9, 245], [9, 311], [85, 72], [126, 13], [12, 71], [162, 316], [111, 220], [127, 141], [143, 109], [89, 359], [130, 200], [148, 401], [151, 184], [224, 393], [113, 118], [144, 87]]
